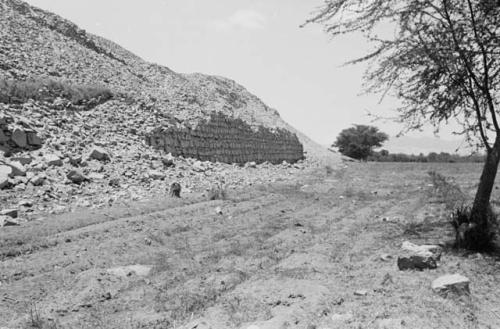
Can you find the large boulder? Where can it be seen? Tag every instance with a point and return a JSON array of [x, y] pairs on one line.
[[98, 153], [20, 137], [76, 176], [17, 168], [33, 139], [419, 257], [9, 212]]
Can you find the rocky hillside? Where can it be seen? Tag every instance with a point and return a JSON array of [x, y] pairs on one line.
[[84, 122], [64, 51]]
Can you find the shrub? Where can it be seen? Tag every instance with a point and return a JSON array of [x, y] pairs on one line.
[[47, 89], [468, 235]]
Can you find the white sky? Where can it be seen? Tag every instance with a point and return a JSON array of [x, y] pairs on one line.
[[258, 43]]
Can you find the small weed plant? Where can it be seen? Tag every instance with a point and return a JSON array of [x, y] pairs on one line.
[[217, 192]]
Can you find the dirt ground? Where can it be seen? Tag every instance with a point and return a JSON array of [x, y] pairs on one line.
[[302, 254]]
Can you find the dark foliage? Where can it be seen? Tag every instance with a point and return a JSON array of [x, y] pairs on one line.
[[359, 141], [443, 157], [471, 235]]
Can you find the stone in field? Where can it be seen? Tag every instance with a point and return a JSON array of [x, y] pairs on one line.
[[417, 262], [124, 271], [451, 282]]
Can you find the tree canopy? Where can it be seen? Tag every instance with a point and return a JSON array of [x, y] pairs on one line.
[[359, 141], [442, 61]]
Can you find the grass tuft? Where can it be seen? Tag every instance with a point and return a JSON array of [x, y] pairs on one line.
[[47, 89], [451, 194], [469, 234], [217, 192]]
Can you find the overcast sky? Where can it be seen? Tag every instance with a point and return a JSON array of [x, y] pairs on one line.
[[258, 43]]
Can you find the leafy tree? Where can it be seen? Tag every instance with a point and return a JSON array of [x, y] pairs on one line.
[[442, 61], [359, 141]]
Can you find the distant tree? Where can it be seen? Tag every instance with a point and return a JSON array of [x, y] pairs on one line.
[[359, 141], [442, 61], [384, 153]]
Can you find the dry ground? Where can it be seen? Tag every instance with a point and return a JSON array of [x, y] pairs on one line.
[[294, 254]]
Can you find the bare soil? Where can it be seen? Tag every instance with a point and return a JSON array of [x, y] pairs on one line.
[[304, 253]]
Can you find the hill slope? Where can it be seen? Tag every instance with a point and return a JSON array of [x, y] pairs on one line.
[[84, 122], [64, 51]]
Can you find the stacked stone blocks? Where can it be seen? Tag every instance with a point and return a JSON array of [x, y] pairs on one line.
[[228, 140]]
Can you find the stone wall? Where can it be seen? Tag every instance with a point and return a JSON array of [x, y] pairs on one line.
[[228, 140]]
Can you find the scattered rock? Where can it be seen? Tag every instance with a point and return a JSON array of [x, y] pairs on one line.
[[24, 160], [451, 283], [8, 221], [12, 213], [156, 174], [37, 180], [76, 176], [385, 257], [98, 153], [75, 160], [53, 160], [423, 250], [416, 262], [17, 168], [251, 164], [26, 203], [168, 163], [361, 293], [95, 176], [114, 182], [124, 271], [199, 167]]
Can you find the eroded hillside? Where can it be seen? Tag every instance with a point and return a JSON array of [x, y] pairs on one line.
[[84, 122]]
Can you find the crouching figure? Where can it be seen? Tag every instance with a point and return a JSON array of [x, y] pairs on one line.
[[175, 190]]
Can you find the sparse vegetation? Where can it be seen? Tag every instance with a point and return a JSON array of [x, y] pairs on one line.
[[217, 192], [468, 236], [47, 89], [448, 193], [442, 157], [36, 321]]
